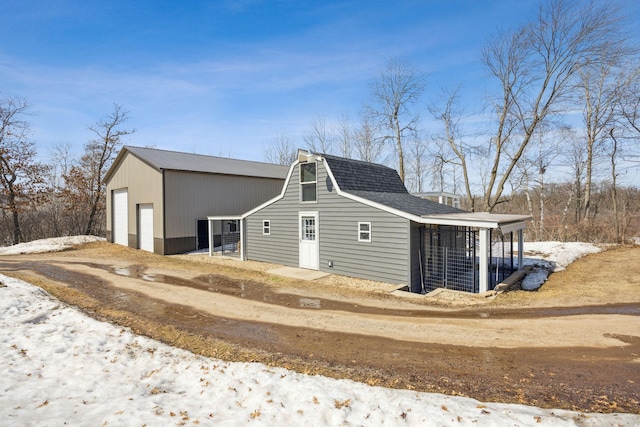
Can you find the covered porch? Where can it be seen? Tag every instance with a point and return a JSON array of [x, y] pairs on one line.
[[225, 235], [471, 252]]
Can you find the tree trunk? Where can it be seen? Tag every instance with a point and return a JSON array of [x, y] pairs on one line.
[[399, 148], [17, 232], [614, 190]]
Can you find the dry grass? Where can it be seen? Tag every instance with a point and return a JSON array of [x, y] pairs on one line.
[[608, 277]]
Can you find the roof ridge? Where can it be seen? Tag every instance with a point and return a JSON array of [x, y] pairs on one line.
[[129, 147], [363, 162]]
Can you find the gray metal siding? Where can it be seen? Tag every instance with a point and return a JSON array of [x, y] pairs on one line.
[[192, 196], [385, 258]]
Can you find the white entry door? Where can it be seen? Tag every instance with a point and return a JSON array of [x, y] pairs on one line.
[[309, 240], [145, 216], [120, 217]]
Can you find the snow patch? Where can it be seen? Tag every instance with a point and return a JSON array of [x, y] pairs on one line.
[[62, 367], [55, 244], [551, 257]]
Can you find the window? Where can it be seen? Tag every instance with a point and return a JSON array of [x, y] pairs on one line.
[[308, 182], [266, 227], [308, 228], [364, 232]]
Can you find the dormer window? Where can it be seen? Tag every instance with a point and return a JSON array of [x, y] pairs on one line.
[[308, 182]]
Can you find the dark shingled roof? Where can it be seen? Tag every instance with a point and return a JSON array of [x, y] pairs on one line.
[[355, 175], [406, 202], [381, 184]]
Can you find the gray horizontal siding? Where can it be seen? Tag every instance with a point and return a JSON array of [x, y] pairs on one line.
[[281, 247], [385, 258]]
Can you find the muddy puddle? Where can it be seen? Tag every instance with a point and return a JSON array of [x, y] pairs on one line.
[[256, 291]]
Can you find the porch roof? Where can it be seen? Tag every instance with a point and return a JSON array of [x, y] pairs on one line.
[[504, 222]]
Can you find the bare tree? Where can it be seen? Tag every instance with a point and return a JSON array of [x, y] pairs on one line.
[[534, 169], [319, 139], [396, 90], [535, 67], [345, 137], [417, 169], [20, 175], [58, 221], [452, 146], [603, 85], [85, 189], [367, 147], [630, 111], [281, 151], [573, 156]]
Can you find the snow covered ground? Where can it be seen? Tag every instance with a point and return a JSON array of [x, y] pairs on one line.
[[62, 367], [47, 245], [548, 257]]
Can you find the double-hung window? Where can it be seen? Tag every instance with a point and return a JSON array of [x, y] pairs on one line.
[[266, 227], [308, 182], [364, 232]]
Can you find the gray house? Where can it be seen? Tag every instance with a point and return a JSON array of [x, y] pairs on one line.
[[357, 219], [159, 200]]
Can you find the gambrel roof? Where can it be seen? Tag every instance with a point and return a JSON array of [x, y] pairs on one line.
[[381, 185], [356, 175], [173, 160]]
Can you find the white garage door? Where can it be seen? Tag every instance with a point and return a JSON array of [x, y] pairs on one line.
[[146, 227], [120, 217]]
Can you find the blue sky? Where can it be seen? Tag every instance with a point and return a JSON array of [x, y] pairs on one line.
[[227, 77]]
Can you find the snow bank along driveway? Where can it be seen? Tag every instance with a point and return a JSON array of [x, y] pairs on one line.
[[59, 366]]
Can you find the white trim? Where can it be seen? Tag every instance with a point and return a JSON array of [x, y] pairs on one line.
[[302, 184], [316, 217], [267, 226], [242, 240], [210, 235], [520, 248], [145, 227], [240, 220], [472, 219], [119, 207], [275, 199], [484, 261], [368, 231]]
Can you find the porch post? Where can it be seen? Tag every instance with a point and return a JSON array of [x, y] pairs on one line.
[[520, 247], [210, 235], [484, 260], [242, 239]]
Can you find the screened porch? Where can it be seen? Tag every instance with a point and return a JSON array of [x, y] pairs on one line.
[[470, 252]]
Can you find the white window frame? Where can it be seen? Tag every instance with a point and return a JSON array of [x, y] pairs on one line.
[[308, 183], [266, 225], [360, 231]]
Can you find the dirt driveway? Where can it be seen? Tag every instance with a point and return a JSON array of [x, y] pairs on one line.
[[575, 344]]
